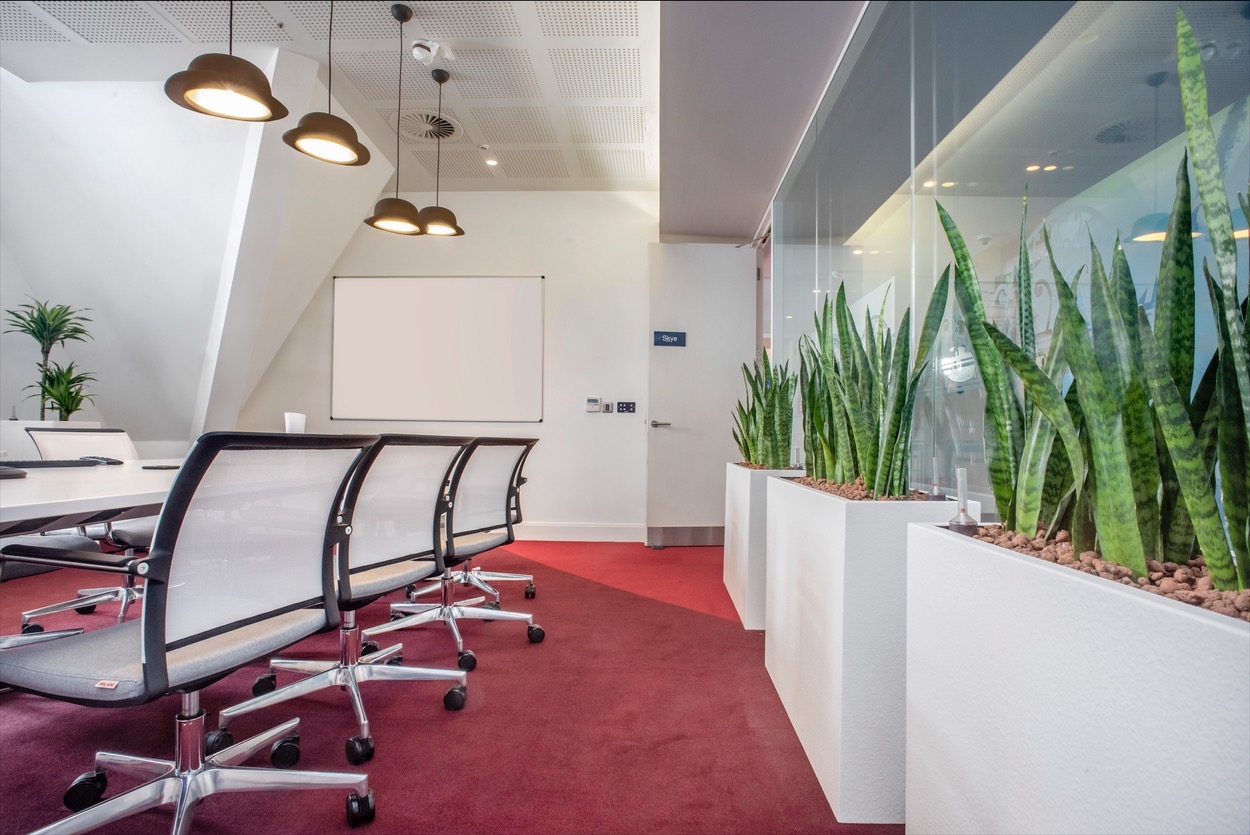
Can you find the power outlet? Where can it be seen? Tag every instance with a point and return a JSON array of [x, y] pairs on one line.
[[627, 406], [607, 406]]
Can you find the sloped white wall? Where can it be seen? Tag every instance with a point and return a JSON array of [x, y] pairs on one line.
[[196, 242], [587, 476], [110, 202]]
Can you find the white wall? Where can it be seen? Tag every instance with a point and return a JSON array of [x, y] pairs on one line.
[[110, 202], [587, 476], [196, 242]]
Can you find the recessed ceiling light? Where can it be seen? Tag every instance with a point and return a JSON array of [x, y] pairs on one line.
[[789, 317], [1050, 168], [1068, 167], [948, 184], [1087, 38], [857, 252], [1033, 168], [873, 251], [928, 184]]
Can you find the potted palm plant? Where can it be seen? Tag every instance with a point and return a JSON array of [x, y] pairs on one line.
[[762, 430], [834, 612], [1026, 700], [64, 388], [51, 325]]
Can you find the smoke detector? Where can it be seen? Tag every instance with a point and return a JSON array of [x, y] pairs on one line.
[[425, 126]]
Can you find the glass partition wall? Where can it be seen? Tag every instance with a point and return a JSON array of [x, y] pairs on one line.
[[971, 105]]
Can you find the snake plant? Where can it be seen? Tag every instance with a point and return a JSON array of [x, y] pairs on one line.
[[763, 427], [859, 393], [1139, 453]]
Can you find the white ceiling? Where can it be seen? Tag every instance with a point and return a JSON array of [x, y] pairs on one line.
[[567, 94]]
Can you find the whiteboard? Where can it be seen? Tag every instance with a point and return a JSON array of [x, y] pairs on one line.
[[438, 348]]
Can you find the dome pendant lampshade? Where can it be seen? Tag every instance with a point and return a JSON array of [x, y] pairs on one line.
[[322, 135], [225, 86], [436, 219], [392, 214]]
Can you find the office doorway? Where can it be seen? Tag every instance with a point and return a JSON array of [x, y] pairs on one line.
[[702, 315]]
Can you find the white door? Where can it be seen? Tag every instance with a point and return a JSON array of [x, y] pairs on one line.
[[703, 316]]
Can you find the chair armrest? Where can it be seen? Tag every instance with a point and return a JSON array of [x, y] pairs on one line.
[[63, 558]]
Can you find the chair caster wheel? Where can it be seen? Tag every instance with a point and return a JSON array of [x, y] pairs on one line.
[[535, 634], [530, 591], [397, 616], [466, 660], [84, 610], [454, 698], [359, 749], [86, 790], [492, 605], [360, 810], [285, 752], [264, 684], [31, 628], [369, 647], [218, 740], [395, 661]]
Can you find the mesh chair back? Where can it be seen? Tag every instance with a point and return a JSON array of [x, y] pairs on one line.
[[62, 444], [249, 530], [396, 498], [482, 488]]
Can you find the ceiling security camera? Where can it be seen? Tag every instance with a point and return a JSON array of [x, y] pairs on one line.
[[424, 51]]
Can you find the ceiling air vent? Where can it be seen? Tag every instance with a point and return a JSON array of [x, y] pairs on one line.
[[1134, 129], [428, 127]]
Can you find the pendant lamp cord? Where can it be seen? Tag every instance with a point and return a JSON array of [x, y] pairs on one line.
[[399, 104], [330, 59], [230, 45], [438, 147]]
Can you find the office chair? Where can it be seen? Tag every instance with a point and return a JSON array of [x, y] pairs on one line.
[[470, 545], [483, 504], [131, 534], [242, 566], [395, 501]]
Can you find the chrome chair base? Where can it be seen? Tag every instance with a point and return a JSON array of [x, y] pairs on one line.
[[348, 673], [125, 595], [190, 777], [477, 578]]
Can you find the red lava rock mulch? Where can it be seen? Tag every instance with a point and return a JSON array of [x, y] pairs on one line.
[[857, 491], [1189, 582]]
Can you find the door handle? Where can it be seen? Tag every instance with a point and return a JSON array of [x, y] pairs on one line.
[[656, 423]]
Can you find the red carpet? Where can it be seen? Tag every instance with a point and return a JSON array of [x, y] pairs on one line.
[[633, 716]]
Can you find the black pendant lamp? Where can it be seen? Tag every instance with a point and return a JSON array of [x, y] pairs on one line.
[[225, 86], [436, 219], [391, 214], [324, 136]]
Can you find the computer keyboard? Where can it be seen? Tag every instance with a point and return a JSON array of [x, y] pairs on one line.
[[48, 462]]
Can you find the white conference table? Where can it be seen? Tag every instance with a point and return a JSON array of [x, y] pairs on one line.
[[50, 498]]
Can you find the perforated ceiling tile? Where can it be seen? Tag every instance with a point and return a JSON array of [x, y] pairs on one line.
[[117, 22], [458, 163], [515, 125], [494, 74], [607, 125], [376, 75], [612, 165], [352, 21], [210, 22], [588, 19], [17, 24], [466, 20], [598, 73], [417, 122], [533, 164]]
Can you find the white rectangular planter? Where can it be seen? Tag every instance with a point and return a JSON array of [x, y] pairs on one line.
[[834, 638], [1041, 699], [746, 501]]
